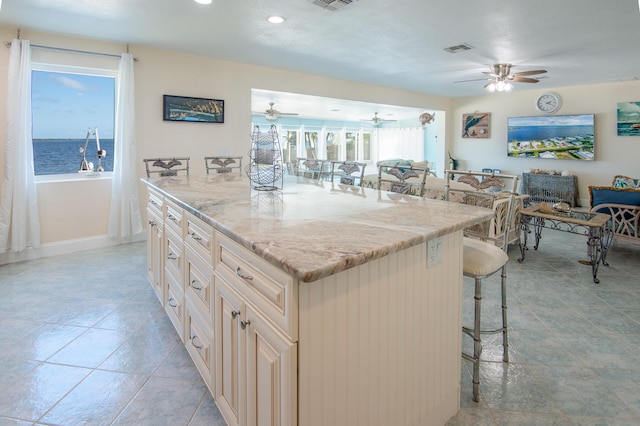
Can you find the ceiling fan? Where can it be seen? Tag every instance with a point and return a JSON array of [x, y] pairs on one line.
[[375, 120], [272, 114], [500, 78]]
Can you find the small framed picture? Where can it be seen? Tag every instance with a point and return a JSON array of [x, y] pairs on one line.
[[476, 125], [200, 110]]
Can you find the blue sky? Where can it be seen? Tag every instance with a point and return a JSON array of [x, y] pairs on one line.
[[553, 120], [65, 105]]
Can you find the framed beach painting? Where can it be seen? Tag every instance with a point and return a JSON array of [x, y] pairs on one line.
[[183, 108], [476, 125], [628, 118]]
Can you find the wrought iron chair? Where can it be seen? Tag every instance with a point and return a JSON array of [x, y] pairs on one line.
[[348, 172], [223, 164], [166, 166], [485, 251], [396, 178], [311, 168]]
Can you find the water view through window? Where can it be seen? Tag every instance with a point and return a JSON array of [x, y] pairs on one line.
[[65, 105]]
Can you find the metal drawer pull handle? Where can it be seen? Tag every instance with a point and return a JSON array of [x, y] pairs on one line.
[[194, 236], [172, 302], [193, 342], [195, 286], [246, 277], [244, 324], [172, 217], [153, 202], [152, 223], [234, 314], [171, 256]]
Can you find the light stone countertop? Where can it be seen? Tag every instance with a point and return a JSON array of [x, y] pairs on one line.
[[312, 230]]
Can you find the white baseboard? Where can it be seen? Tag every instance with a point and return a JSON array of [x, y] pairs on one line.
[[68, 246]]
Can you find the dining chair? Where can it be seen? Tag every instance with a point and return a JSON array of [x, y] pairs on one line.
[[311, 168], [485, 251], [402, 179], [348, 172], [223, 164], [168, 166]]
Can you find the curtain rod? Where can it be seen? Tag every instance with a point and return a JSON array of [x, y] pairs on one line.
[[62, 49]]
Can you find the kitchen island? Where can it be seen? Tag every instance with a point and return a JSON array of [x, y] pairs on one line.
[[318, 304]]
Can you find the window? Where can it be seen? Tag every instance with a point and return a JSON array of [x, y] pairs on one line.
[[289, 150], [333, 146], [358, 146], [366, 146], [311, 144], [66, 102]]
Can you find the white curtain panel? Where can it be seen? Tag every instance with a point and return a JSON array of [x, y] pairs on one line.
[[19, 221], [405, 143], [124, 215]]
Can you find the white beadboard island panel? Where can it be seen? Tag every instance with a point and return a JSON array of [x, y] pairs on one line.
[[379, 343]]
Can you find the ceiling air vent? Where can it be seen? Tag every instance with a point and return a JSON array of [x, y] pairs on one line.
[[459, 48], [333, 5]]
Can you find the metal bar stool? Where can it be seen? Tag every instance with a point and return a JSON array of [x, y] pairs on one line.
[[486, 254]]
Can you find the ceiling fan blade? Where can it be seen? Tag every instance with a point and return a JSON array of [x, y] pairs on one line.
[[475, 79], [287, 113], [533, 72], [524, 80]]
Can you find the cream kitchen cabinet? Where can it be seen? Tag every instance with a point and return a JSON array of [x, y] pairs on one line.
[[155, 235], [256, 365], [155, 264]]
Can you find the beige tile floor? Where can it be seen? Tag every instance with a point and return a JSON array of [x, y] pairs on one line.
[[84, 341]]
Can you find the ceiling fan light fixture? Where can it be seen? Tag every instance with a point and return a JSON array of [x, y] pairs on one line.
[[491, 87], [508, 87], [271, 117]]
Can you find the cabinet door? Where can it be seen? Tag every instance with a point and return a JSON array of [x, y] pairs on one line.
[[155, 263], [271, 373], [229, 353]]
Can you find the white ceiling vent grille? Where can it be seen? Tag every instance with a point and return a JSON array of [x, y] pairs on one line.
[[459, 48], [333, 5]]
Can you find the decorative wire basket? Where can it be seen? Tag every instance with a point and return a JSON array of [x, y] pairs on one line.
[[265, 160]]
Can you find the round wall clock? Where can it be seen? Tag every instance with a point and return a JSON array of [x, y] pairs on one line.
[[549, 102]]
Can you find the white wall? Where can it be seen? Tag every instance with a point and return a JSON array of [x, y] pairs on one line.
[[613, 154]]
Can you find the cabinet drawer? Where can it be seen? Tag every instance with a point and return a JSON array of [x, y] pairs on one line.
[[271, 290], [199, 284], [155, 202], [173, 253], [175, 304], [173, 217], [199, 236], [199, 344]]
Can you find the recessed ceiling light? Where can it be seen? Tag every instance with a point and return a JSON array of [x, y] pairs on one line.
[[203, 1], [276, 19]]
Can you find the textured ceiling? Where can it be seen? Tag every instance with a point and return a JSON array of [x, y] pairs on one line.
[[398, 44]]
